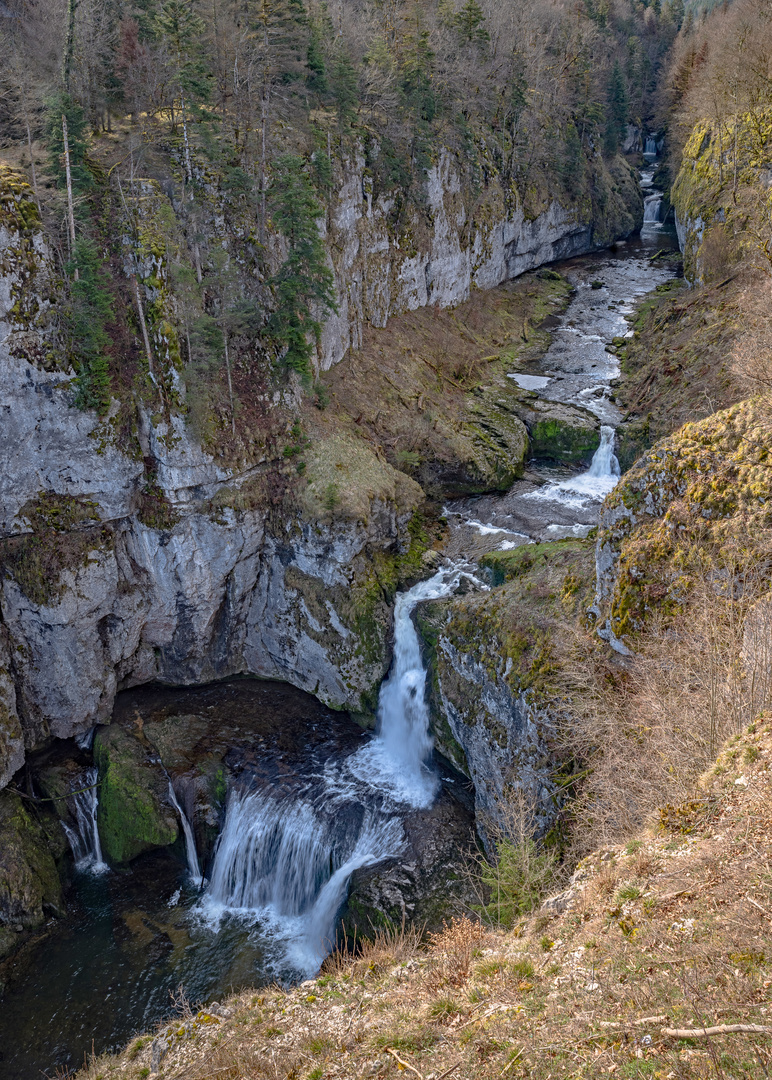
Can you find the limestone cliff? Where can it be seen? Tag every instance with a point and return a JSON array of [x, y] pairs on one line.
[[147, 559]]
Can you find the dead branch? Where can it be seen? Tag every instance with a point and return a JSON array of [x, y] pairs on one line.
[[720, 1029]]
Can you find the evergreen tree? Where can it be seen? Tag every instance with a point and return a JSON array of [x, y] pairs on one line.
[[617, 108], [343, 84], [416, 83], [304, 283], [90, 311], [469, 24], [182, 30], [58, 106], [317, 69]]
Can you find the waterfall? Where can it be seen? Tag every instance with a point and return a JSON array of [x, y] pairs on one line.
[[84, 838], [190, 842], [651, 145], [289, 863], [652, 205], [604, 464], [395, 761], [596, 483]]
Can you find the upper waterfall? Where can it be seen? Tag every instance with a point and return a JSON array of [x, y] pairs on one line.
[[395, 761]]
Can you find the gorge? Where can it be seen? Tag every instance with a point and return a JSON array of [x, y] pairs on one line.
[[384, 537], [286, 843]]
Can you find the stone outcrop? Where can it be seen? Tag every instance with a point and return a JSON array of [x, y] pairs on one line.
[[96, 595], [30, 890], [696, 495], [473, 242]]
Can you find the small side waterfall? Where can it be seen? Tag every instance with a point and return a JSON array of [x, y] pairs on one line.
[[604, 465], [595, 484], [289, 863], [190, 841], [84, 838]]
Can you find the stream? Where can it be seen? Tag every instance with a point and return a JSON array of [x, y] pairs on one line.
[[311, 797]]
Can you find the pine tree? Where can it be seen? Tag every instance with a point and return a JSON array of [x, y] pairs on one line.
[[58, 106], [182, 29], [469, 24], [343, 84], [618, 106], [416, 83], [304, 283], [91, 309]]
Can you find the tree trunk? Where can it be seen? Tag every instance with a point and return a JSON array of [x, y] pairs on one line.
[[69, 48], [188, 169], [230, 383], [143, 325], [263, 161], [68, 176], [32, 166]]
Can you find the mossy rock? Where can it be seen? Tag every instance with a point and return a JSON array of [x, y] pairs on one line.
[[562, 442], [30, 889], [134, 813], [558, 431]]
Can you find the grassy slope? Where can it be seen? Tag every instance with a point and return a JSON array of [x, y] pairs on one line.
[[669, 932], [677, 367], [416, 388]]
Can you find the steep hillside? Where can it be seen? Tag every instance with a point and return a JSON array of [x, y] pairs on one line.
[[652, 962]]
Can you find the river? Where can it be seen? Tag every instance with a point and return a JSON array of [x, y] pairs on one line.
[[312, 798]]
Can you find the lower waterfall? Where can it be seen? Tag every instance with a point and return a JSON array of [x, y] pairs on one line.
[[288, 863], [84, 837]]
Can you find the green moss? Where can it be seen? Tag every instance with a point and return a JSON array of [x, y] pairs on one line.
[[560, 441], [134, 814], [701, 497], [37, 561], [30, 889]]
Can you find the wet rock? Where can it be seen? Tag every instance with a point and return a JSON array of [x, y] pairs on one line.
[[134, 812], [425, 884], [30, 890], [561, 432]]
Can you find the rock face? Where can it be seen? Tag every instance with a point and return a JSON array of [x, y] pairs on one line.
[[490, 731], [96, 596], [472, 242], [30, 890], [689, 494]]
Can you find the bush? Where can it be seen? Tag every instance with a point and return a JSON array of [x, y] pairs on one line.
[[518, 879]]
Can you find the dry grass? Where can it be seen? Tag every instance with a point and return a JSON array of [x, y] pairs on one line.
[[669, 932], [646, 727]]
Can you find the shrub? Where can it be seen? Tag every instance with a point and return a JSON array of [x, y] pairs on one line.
[[518, 878]]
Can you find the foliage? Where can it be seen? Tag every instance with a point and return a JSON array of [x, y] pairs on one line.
[[58, 106], [90, 311], [517, 879], [182, 28], [303, 286]]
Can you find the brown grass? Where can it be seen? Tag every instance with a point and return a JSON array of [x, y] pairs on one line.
[[670, 932]]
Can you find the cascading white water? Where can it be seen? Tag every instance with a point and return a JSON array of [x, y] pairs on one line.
[[596, 483], [289, 865], [190, 842], [286, 862], [395, 761], [651, 146], [652, 206], [84, 838]]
